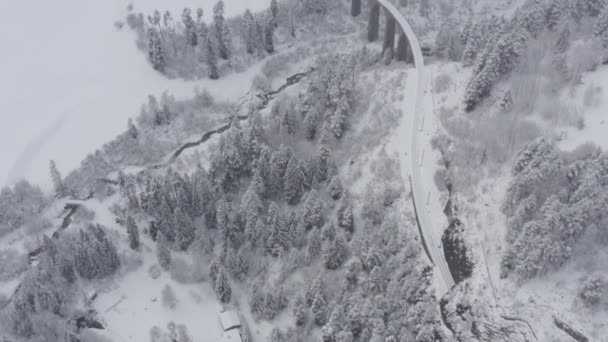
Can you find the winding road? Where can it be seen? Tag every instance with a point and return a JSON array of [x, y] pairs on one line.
[[436, 255]]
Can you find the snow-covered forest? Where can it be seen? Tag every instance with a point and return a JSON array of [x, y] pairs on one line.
[[316, 171]]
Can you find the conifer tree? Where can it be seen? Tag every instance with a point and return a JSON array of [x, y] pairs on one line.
[[274, 11], [155, 50], [312, 210], [219, 25], [96, 257], [335, 254], [299, 311], [249, 32], [190, 31], [211, 58], [278, 238], [185, 229], [226, 45], [316, 289], [268, 37], [133, 233], [319, 310], [294, 180], [58, 185], [222, 286], [162, 252]]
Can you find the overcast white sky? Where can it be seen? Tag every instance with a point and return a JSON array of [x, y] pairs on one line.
[[70, 80]]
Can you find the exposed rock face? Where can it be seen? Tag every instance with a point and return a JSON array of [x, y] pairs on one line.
[[456, 252]]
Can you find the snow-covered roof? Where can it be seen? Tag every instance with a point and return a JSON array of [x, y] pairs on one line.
[[231, 336], [230, 320]]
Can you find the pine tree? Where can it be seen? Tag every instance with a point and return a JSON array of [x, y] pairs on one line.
[[60, 189], [162, 252], [249, 31], [268, 38], [96, 257], [299, 311], [220, 27], [185, 229], [345, 217], [374, 22], [319, 310], [312, 210], [274, 11], [133, 233], [226, 45], [222, 286], [335, 188], [211, 58], [294, 179], [156, 54], [316, 289], [335, 254], [190, 28], [278, 239], [203, 36]]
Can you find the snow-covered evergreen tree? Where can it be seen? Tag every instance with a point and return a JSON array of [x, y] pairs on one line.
[[211, 57], [319, 310], [190, 31], [96, 257], [156, 54], [59, 187], [220, 27], [249, 32], [133, 233], [269, 37], [298, 311], [335, 254], [184, 229], [316, 289], [335, 188], [222, 286], [162, 251], [279, 238], [294, 181], [312, 210], [274, 12]]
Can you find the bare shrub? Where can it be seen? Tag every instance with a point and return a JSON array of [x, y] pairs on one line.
[[11, 264], [442, 83], [583, 56], [591, 95], [169, 299], [261, 83], [592, 290]]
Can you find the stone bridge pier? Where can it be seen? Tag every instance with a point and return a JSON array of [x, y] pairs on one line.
[[403, 50]]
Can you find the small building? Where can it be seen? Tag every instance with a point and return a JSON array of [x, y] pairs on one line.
[[230, 320]]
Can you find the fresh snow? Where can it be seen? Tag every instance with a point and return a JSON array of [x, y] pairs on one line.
[[72, 79]]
